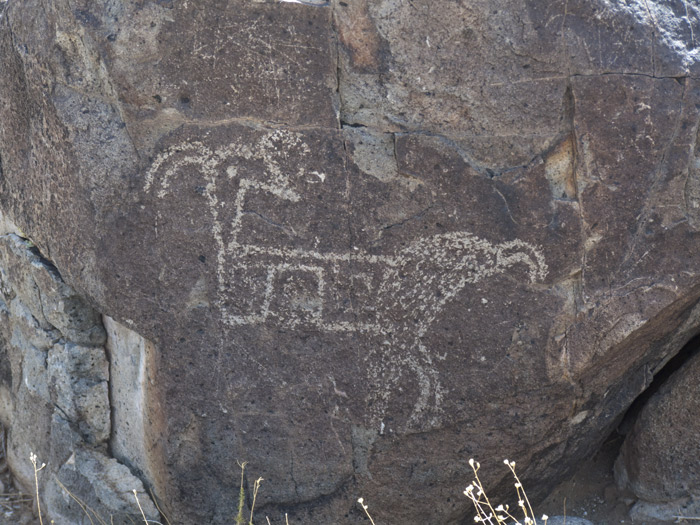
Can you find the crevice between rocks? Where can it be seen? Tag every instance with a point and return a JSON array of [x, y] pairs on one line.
[[675, 363], [338, 73], [593, 491]]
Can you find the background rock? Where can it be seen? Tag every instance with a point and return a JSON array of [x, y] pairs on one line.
[[362, 241], [54, 395], [658, 460], [563, 520]]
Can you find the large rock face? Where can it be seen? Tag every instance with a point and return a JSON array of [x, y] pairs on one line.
[[355, 243]]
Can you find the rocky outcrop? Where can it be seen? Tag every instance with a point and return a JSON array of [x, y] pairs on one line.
[[54, 394], [658, 460], [356, 243]]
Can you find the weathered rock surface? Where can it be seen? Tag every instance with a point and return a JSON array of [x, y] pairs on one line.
[[363, 240], [659, 458], [130, 362], [54, 394]]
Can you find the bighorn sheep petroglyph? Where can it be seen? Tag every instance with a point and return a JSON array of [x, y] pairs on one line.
[[392, 297]]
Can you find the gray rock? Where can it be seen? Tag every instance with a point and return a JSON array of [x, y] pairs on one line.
[[77, 377], [52, 303], [563, 520], [130, 358], [567, 520], [669, 511], [26, 329], [54, 392], [659, 456], [104, 486]]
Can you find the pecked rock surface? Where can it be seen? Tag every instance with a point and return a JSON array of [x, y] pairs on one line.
[[367, 240]]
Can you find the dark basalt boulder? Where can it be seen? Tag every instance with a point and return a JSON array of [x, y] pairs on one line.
[[362, 241]]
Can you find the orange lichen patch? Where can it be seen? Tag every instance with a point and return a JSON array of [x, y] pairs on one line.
[[559, 170], [358, 34]]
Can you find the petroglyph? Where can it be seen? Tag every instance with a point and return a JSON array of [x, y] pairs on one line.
[[392, 297]]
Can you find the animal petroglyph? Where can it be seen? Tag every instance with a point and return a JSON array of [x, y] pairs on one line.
[[393, 297]]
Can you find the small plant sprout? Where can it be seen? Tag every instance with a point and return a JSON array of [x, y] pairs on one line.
[[240, 520], [33, 459], [361, 501], [241, 496], [500, 515]]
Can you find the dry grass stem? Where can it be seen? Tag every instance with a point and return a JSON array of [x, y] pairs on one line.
[[83, 506], [143, 515], [520, 489], [256, 487], [32, 458], [500, 515], [160, 511], [241, 496], [361, 501], [486, 512]]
